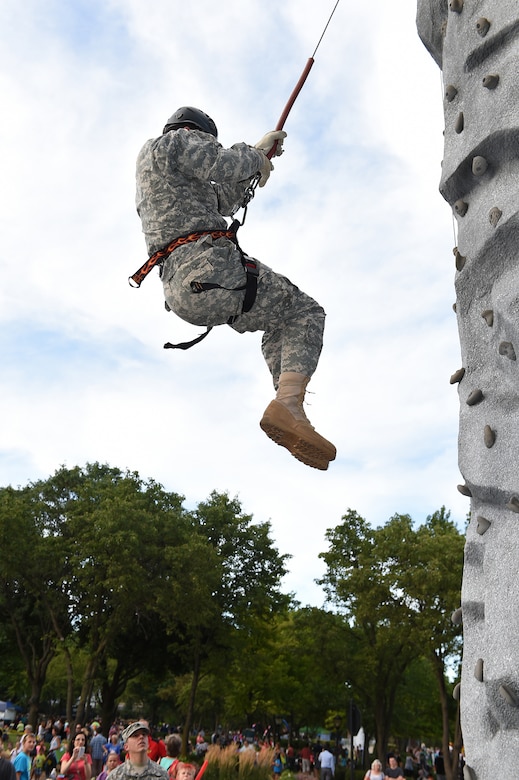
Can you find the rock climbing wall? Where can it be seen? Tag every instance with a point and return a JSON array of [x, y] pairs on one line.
[[476, 45]]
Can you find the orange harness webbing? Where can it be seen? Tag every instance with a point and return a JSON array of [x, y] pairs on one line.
[[138, 277]]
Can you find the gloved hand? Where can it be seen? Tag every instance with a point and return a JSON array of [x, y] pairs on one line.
[[264, 171], [273, 138]]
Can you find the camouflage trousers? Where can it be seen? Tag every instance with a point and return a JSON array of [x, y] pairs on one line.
[[291, 321]]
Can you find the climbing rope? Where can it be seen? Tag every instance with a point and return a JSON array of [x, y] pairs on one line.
[[251, 189]]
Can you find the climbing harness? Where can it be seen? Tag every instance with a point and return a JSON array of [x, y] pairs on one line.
[[157, 258], [249, 264], [251, 282]]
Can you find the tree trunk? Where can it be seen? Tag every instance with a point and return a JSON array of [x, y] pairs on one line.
[[111, 690], [36, 667], [68, 660], [191, 703], [34, 704], [88, 683], [381, 732], [450, 759], [70, 684]]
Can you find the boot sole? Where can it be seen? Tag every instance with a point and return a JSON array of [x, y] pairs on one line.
[[299, 448]]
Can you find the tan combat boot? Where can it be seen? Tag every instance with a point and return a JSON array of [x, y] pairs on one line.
[[285, 422]]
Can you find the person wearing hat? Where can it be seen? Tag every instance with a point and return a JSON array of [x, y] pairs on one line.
[[137, 764]]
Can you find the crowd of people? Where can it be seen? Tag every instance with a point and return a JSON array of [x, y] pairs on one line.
[[128, 753], [421, 763], [134, 752]]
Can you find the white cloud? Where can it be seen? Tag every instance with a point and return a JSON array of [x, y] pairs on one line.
[[351, 214]]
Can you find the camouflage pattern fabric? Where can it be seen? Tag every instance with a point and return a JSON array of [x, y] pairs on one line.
[[187, 182], [126, 771]]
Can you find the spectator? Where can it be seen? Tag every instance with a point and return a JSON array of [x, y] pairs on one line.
[[22, 762], [138, 765], [327, 764], [76, 763], [156, 748], [170, 761], [186, 771], [7, 770], [439, 766], [112, 761], [306, 756], [376, 772], [201, 745], [39, 763], [394, 770], [410, 764], [277, 765], [97, 750]]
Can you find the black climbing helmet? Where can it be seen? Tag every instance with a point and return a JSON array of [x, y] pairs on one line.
[[193, 117]]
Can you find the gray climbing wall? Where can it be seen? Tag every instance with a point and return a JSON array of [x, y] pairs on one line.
[[476, 45]]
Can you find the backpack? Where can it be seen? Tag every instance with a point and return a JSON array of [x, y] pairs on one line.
[[50, 763]]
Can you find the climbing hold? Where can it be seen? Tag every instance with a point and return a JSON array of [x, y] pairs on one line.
[[483, 525], [460, 259], [456, 692], [461, 207], [457, 617], [513, 504], [454, 307], [494, 215], [459, 124], [478, 670], [488, 316], [475, 397], [456, 6], [450, 93], [479, 166], [507, 350], [491, 81], [468, 773], [464, 490], [508, 695], [489, 436], [482, 26], [457, 376]]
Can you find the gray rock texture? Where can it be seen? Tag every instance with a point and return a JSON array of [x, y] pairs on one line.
[[476, 44]]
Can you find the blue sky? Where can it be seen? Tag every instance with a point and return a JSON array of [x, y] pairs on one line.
[[351, 214]]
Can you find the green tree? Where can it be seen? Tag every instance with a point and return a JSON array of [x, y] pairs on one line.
[[116, 528], [436, 595], [233, 587], [312, 659], [84, 565], [389, 584], [30, 595]]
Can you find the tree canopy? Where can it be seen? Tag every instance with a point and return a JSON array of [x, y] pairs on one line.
[[111, 590], [397, 586], [98, 560]]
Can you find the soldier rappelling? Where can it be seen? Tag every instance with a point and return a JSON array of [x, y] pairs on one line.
[[187, 183]]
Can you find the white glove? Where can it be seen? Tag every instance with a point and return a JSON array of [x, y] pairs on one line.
[[264, 171], [273, 138]]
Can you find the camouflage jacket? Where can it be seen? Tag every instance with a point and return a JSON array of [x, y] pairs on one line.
[[126, 771], [187, 181]]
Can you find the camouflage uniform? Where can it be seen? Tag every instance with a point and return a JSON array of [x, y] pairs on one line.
[[187, 182], [126, 771]]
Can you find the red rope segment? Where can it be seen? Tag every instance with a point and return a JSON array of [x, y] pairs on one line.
[[291, 100]]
